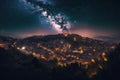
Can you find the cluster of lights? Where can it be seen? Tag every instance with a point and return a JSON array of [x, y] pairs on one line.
[[65, 54], [64, 61], [2, 45]]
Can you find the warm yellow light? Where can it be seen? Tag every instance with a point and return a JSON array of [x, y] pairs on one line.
[[34, 54], [2, 45], [81, 51], [75, 39], [94, 50], [57, 49], [85, 63], [103, 54], [99, 58], [65, 34], [42, 56], [92, 60], [69, 46], [80, 47], [113, 47], [105, 59]]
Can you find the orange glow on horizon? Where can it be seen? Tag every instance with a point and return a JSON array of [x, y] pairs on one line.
[[84, 32]]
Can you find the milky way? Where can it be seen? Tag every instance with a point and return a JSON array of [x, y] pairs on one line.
[[58, 21]]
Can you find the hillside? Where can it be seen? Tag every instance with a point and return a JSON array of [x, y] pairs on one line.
[[62, 56]]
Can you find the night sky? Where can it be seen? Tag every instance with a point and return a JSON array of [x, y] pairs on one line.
[[90, 18]]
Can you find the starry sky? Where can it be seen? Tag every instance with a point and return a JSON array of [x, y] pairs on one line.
[[89, 18]]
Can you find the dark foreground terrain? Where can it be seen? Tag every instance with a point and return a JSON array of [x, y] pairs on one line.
[[71, 57]]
